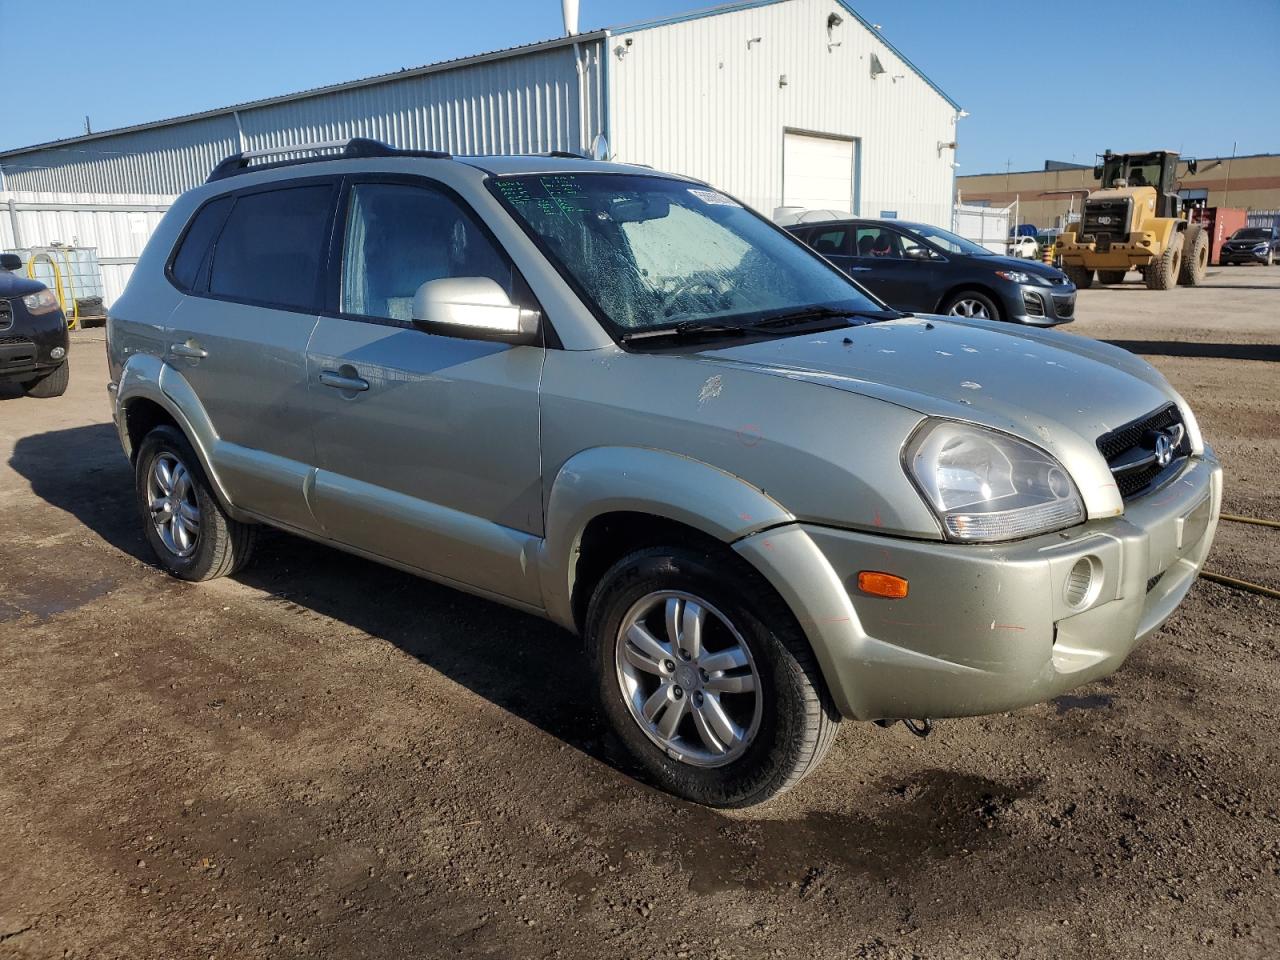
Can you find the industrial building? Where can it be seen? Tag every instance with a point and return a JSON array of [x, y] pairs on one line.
[[779, 102], [1249, 182]]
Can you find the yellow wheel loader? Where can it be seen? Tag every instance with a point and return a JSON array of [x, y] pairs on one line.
[[1135, 222]]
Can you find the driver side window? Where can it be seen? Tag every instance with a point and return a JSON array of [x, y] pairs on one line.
[[881, 243], [400, 236]]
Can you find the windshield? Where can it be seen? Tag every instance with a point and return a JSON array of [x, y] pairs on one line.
[[1252, 233], [647, 251], [1138, 171], [948, 241]]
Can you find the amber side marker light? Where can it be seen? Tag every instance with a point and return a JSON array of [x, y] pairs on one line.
[[882, 584]]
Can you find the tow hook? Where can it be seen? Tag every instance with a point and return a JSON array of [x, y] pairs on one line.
[[921, 728]]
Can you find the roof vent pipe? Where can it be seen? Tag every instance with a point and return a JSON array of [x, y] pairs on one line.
[[570, 10]]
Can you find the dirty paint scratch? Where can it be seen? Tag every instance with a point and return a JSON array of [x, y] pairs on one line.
[[711, 389]]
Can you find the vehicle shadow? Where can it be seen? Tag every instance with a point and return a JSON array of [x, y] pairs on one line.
[[511, 658], [10, 391], [1185, 348]]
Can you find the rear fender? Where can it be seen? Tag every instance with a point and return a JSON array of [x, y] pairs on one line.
[[146, 377]]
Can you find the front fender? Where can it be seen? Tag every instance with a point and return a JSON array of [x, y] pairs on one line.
[[149, 378], [639, 480]]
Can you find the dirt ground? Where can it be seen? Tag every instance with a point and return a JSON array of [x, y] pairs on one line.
[[324, 757]]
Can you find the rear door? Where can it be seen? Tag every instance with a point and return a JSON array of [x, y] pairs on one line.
[[239, 338], [428, 445]]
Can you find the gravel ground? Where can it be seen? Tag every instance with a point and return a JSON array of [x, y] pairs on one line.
[[324, 757]]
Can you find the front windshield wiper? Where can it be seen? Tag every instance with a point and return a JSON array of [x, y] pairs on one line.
[[810, 314], [687, 328]]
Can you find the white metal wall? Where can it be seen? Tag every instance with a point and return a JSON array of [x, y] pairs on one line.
[[116, 225], [706, 98], [521, 103]]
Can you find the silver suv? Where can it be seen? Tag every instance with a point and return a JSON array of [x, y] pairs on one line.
[[621, 400]]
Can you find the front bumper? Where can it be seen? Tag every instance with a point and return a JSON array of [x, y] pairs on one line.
[[27, 344], [1135, 250], [989, 628], [1041, 306], [1242, 256]]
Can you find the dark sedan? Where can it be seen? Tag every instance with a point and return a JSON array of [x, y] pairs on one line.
[[916, 267], [33, 334], [1251, 245]]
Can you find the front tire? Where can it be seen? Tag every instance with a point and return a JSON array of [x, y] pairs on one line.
[[51, 384], [705, 677], [971, 303], [190, 533]]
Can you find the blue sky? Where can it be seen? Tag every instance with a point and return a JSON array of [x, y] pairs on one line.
[[1040, 79]]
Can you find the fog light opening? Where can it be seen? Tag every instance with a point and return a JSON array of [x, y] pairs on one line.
[[57, 353], [1082, 583]]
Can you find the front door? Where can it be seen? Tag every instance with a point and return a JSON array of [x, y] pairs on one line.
[[895, 267], [251, 264], [428, 445]]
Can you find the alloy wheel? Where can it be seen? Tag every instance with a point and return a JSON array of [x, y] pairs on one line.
[[171, 498], [969, 308], [688, 678]]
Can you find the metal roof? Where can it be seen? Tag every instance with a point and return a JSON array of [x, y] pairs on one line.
[[458, 62]]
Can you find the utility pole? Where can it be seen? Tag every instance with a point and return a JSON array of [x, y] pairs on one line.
[[1226, 187], [87, 128]]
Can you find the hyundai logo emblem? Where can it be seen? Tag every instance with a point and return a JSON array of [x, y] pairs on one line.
[[1164, 449]]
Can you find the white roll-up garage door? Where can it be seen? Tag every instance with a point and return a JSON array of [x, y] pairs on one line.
[[817, 172]]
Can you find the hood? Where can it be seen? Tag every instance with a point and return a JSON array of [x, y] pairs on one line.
[[12, 285], [1034, 267], [1059, 391]]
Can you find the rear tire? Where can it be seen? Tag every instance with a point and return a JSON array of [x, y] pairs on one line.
[[1195, 256], [1162, 273], [784, 724], [51, 384], [190, 533], [1111, 276], [1082, 277]]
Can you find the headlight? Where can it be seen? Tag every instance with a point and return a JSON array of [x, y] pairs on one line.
[[1016, 276], [987, 486], [1260, 248], [43, 301]]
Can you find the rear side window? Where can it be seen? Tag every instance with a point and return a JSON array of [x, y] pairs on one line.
[[191, 259], [831, 241], [271, 249]]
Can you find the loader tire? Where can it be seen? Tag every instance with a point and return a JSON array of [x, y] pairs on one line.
[[1082, 277], [1195, 256], [1111, 276], [1162, 273]]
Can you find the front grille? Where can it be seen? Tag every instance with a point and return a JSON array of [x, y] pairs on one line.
[[1064, 304], [8, 341], [1132, 451], [6, 315], [1109, 218]]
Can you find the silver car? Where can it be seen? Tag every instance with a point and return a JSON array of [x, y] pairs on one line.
[[621, 400]]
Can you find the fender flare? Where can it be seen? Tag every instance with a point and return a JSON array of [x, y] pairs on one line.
[[605, 480], [146, 377]]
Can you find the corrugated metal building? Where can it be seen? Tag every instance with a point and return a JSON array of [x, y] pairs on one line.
[[780, 102]]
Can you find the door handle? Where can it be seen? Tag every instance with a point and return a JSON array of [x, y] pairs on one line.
[[331, 378], [189, 349]]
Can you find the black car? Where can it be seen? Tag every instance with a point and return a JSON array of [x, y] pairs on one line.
[[913, 266], [1251, 245], [33, 334]]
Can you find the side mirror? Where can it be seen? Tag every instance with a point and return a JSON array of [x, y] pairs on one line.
[[918, 253], [10, 261], [473, 308]]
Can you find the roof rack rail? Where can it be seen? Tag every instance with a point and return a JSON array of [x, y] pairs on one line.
[[324, 150], [566, 154]]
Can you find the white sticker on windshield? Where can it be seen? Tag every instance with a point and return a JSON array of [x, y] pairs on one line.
[[712, 196]]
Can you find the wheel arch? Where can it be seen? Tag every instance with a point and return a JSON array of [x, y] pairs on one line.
[[606, 501], [151, 393]]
